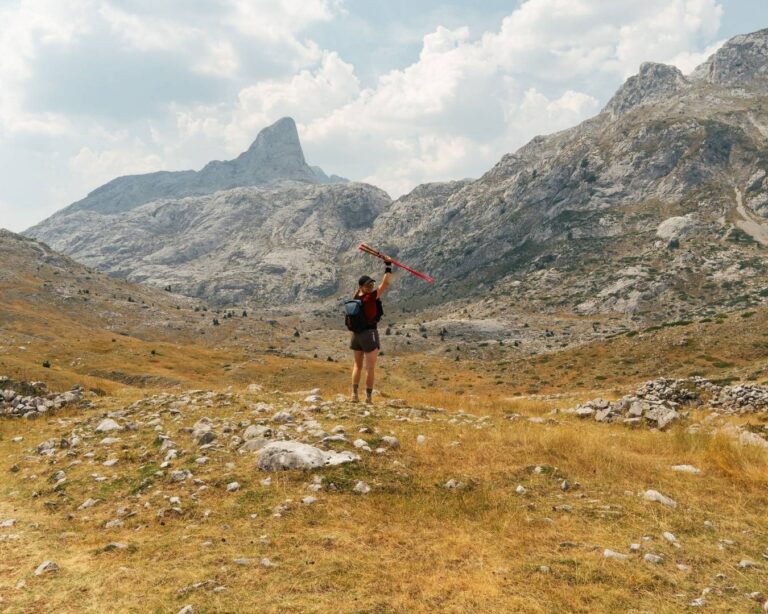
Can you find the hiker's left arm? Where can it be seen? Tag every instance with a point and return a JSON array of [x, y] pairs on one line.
[[386, 279]]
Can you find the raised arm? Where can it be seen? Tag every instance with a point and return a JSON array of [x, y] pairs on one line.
[[386, 279]]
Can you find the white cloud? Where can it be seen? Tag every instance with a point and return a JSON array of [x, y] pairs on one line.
[[687, 61], [464, 101], [26, 27], [97, 167]]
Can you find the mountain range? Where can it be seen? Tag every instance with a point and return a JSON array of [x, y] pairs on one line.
[[654, 208]]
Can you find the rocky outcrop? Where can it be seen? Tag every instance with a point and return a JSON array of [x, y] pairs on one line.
[[271, 245], [741, 62], [654, 83]]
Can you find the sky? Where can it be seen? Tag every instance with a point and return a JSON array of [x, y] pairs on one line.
[[393, 93]]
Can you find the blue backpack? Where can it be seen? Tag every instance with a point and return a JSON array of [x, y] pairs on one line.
[[354, 315]]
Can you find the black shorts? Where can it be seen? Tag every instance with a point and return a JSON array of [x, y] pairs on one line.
[[366, 341]]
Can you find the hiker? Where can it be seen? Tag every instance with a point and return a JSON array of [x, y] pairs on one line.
[[365, 342]]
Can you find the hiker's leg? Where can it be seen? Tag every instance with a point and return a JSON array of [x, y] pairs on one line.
[[370, 368], [357, 371]]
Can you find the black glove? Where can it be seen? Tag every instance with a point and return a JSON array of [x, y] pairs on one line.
[[388, 265]]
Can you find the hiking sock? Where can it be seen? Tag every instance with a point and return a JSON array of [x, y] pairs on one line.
[[368, 393]]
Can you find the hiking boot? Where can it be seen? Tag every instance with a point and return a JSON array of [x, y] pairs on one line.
[[368, 401], [354, 399]]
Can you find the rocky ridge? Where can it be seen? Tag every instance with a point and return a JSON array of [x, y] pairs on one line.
[[625, 213]]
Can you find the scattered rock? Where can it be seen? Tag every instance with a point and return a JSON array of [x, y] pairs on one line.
[[46, 567], [686, 469], [655, 495], [233, 486], [610, 554], [283, 455], [107, 426], [362, 488], [653, 558]]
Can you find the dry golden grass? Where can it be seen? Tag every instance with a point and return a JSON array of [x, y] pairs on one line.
[[408, 546]]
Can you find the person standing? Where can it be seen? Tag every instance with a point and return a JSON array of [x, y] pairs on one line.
[[366, 344]]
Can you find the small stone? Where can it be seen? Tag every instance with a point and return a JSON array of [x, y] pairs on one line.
[[107, 426], [46, 567], [392, 442], [544, 569], [202, 460], [110, 463], [610, 554], [634, 547], [420, 439], [265, 562], [187, 609], [244, 562], [746, 564], [113, 524], [453, 484], [362, 488], [698, 603], [115, 546], [309, 500], [670, 538], [233, 486], [266, 481], [521, 490], [683, 567], [88, 503], [655, 495], [686, 469], [653, 558], [565, 485], [584, 412], [7, 524]]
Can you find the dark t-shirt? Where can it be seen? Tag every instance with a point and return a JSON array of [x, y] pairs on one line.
[[369, 307]]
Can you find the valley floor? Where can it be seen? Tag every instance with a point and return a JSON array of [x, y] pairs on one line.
[[525, 525]]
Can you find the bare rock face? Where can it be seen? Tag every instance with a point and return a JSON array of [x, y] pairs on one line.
[[653, 83], [741, 62], [271, 244]]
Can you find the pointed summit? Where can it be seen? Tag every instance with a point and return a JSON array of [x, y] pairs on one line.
[[740, 62], [275, 155], [654, 82]]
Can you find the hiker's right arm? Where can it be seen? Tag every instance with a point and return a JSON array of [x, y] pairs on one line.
[[386, 279]]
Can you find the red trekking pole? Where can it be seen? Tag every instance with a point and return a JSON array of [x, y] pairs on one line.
[[369, 250]]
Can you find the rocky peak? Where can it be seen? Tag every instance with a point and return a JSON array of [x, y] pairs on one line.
[[274, 156], [278, 147], [742, 62], [654, 82]]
